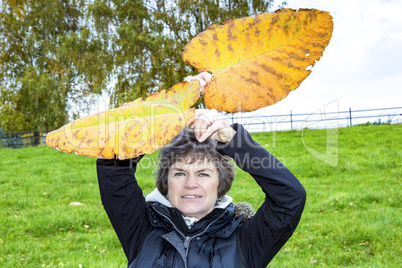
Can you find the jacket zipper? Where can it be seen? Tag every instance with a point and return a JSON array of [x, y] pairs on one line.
[[188, 239], [166, 217], [177, 230]]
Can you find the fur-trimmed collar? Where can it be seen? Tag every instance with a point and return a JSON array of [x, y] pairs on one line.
[[244, 208]]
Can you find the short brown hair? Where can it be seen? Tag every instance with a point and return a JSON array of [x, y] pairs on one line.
[[185, 147]]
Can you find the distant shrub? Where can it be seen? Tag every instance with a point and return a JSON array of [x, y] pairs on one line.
[[368, 123]]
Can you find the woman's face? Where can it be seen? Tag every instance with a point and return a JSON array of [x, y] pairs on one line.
[[193, 188]]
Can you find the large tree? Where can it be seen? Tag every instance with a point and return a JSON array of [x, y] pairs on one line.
[[56, 54], [49, 62], [150, 35]]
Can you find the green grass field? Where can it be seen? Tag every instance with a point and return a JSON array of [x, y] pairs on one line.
[[352, 215]]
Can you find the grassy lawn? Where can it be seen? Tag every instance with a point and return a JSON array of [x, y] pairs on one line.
[[352, 216]]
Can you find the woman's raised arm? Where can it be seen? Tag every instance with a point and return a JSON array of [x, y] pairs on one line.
[[275, 221], [124, 203]]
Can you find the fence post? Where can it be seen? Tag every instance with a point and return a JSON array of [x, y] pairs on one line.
[[291, 121], [36, 138], [350, 116]]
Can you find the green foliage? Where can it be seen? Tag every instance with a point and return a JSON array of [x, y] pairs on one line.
[[49, 61], [388, 122], [352, 215], [145, 39], [56, 54]]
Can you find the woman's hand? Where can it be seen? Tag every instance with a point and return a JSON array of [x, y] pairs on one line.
[[211, 124], [203, 77]]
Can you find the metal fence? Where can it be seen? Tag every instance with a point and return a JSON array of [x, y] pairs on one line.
[[318, 119], [22, 139], [255, 123]]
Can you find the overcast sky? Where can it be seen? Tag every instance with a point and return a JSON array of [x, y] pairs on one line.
[[361, 67]]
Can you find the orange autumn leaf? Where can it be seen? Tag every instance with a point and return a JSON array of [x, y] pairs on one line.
[[257, 61], [136, 128]]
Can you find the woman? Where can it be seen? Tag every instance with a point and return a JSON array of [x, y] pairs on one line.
[[188, 221]]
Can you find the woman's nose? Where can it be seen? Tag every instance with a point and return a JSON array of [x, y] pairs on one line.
[[191, 182]]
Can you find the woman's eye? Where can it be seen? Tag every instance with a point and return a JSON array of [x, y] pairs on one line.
[[204, 175], [179, 174]]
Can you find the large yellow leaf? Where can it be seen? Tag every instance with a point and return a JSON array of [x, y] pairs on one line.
[[139, 127], [257, 61]]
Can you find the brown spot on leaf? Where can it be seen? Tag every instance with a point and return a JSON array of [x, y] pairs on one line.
[[296, 56], [203, 42], [252, 81], [231, 37], [274, 20], [270, 70]]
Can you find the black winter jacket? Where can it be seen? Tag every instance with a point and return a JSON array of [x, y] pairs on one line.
[[153, 235]]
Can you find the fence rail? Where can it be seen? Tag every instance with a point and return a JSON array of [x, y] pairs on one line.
[[253, 123], [22, 139], [318, 119]]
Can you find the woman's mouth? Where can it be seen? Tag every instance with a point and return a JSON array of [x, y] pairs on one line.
[[191, 196]]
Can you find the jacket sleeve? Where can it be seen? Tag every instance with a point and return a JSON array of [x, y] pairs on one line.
[[124, 203], [275, 221]]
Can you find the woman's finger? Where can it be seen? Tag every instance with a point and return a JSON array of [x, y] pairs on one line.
[[200, 126], [210, 132], [211, 124], [203, 118]]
